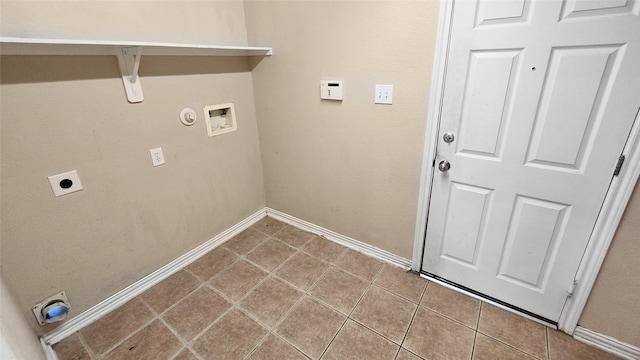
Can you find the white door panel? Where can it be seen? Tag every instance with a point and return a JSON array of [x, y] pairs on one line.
[[541, 96]]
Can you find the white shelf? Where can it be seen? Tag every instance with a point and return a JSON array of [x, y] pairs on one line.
[[128, 53], [26, 46]]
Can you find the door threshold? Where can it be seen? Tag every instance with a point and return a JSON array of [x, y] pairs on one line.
[[489, 300]]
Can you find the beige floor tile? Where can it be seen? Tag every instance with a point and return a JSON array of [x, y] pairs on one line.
[[404, 354], [302, 270], [245, 241], [232, 337], [270, 254], [452, 304], [71, 349], [293, 236], [170, 290], [513, 330], [339, 289], [270, 301], [401, 282], [153, 342], [237, 279], [112, 328], [359, 264], [433, 336], [268, 226], [212, 263], [310, 326], [354, 341], [564, 347], [274, 348], [195, 312], [185, 354], [324, 249], [385, 313], [487, 348]]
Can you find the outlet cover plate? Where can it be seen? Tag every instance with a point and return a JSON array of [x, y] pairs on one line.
[[157, 156], [65, 183]]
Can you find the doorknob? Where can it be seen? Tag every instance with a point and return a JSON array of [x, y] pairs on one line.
[[448, 137], [444, 166]]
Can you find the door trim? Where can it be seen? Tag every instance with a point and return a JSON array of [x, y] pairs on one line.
[[433, 117], [615, 201]]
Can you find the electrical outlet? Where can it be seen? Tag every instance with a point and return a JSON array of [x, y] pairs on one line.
[[157, 156], [384, 94], [65, 183]]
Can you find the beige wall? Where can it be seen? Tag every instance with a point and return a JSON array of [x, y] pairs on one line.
[[353, 166], [65, 113], [180, 21], [614, 304], [350, 166]]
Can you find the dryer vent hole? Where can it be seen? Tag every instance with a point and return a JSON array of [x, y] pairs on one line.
[[66, 183]]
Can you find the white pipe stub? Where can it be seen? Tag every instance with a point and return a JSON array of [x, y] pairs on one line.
[[188, 116]]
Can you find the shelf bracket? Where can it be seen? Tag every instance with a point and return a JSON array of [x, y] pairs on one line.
[[129, 63]]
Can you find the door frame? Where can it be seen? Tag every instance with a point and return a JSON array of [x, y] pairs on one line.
[[614, 205]]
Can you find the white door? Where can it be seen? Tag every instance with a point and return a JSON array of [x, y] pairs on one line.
[[540, 97]]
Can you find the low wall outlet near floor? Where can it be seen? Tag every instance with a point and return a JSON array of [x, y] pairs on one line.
[[220, 119], [65, 183]]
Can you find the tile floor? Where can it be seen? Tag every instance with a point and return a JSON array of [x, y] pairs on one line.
[[276, 292]]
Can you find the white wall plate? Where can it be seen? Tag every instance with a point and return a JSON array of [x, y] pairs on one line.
[[65, 183]]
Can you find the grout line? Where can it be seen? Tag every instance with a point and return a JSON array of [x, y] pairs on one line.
[[86, 346], [546, 335], [473, 348], [415, 313], [105, 353], [174, 331], [262, 341], [510, 346], [334, 337], [479, 316], [201, 333]]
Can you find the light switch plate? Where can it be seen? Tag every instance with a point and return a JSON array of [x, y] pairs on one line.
[[384, 94], [65, 183]]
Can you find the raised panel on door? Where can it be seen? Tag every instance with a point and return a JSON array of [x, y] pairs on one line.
[[464, 223], [535, 230], [569, 112], [487, 102]]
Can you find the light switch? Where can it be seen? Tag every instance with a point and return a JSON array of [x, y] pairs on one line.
[[331, 89]]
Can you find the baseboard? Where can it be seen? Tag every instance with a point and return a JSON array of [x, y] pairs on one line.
[[606, 343], [140, 286], [341, 239], [48, 350]]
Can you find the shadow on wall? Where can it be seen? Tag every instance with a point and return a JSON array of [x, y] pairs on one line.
[[69, 68]]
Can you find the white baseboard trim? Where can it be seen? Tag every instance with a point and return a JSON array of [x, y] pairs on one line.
[[48, 350], [343, 240], [607, 343], [140, 286], [113, 302]]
